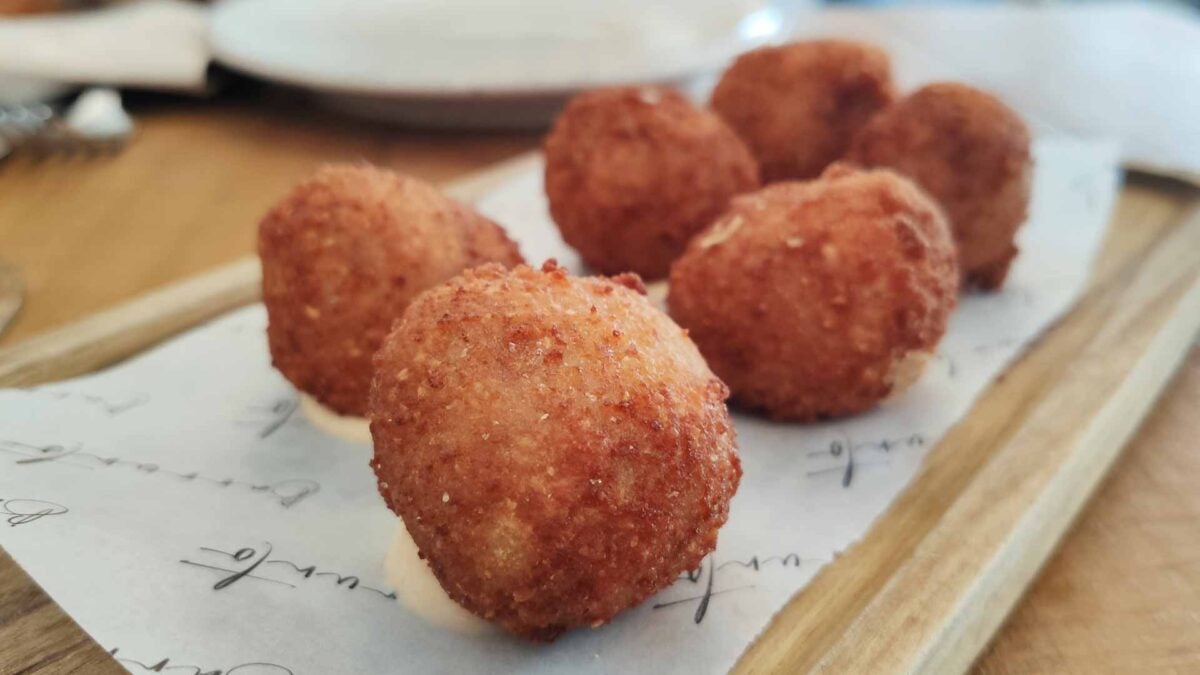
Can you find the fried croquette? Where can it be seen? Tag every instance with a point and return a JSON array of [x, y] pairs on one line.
[[818, 299], [632, 173], [556, 446], [342, 256], [971, 153], [798, 105]]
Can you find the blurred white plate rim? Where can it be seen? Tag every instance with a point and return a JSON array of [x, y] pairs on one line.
[[483, 48]]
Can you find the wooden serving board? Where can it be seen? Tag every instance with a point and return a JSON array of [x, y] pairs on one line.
[[936, 575]]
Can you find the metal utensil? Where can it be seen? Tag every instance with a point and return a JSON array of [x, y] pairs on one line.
[[12, 293], [94, 123]]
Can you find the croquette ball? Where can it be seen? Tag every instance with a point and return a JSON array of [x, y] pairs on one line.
[[556, 446], [818, 299], [632, 173], [342, 256], [971, 153], [798, 105]]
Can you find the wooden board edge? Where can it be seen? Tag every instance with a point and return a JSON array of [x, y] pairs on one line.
[[122, 331], [939, 608], [1160, 171], [12, 289], [1031, 543]]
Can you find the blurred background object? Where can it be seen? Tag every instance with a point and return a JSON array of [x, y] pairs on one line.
[[43, 6], [1123, 70], [481, 63], [94, 123], [145, 44]]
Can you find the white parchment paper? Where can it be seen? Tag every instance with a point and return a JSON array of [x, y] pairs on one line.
[[185, 513]]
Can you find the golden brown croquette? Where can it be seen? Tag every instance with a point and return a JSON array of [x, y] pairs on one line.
[[798, 105], [342, 256], [972, 154], [632, 173], [555, 445], [818, 299]]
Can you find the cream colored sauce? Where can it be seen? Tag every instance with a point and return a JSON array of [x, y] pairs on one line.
[[906, 371], [656, 292], [418, 590], [353, 429]]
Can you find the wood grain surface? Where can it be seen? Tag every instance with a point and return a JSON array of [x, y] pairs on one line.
[[1120, 597]]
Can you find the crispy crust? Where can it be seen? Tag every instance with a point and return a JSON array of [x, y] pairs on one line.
[[810, 299], [342, 256], [798, 105], [556, 446], [632, 173], [971, 153]]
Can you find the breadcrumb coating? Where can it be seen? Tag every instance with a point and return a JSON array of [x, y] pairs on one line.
[[972, 154], [633, 172], [343, 255], [798, 105], [818, 299], [556, 446]]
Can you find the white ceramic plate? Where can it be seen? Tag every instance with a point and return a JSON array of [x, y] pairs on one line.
[[480, 62]]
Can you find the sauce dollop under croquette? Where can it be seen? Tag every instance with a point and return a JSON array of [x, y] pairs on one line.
[[632, 173], [418, 590], [557, 447], [818, 299], [342, 255], [346, 427]]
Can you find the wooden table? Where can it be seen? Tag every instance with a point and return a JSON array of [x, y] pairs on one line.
[[1122, 595]]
